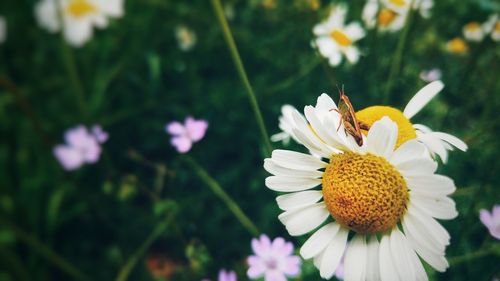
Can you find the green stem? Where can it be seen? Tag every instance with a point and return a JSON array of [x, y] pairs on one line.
[[396, 61], [453, 261], [47, 253], [69, 61], [125, 271], [219, 11], [219, 192]]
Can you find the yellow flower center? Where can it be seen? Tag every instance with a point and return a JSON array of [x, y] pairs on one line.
[[341, 38], [472, 26], [497, 27], [372, 114], [79, 8], [364, 192], [399, 3], [457, 46], [385, 17]]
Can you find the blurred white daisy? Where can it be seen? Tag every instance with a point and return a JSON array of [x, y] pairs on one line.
[[186, 38], [473, 31], [3, 29], [390, 15], [387, 198], [286, 125], [492, 27], [437, 143], [334, 38], [430, 74], [79, 17]]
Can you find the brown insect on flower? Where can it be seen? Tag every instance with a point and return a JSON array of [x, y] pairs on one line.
[[348, 117]]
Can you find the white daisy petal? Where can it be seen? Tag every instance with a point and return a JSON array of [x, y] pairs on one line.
[[456, 142], [296, 160], [372, 268], [382, 137], [417, 166], [435, 229], [422, 97], [304, 220], [333, 253], [319, 240], [401, 256], [387, 267], [437, 207], [298, 199], [321, 130], [278, 170], [434, 144], [291, 184], [430, 184], [407, 151], [356, 259]]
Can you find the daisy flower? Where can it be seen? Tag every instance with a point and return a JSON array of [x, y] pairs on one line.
[[186, 38], [78, 17], [390, 15], [184, 135], [82, 146], [473, 31], [491, 220], [334, 39], [387, 196], [457, 45], [286, 124], [3, 29], [492, 27], [273, 260], [437, 143]]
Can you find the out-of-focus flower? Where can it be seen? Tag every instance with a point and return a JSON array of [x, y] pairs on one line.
[[229, 11], [81, 147], [227, 275], [3, 29], [491, 220], [334, 38], [186, 38], [273, 260], [184, 135], [100, 135], [160, 266], [366, 190], [390, 15], [473, 32], [78, 17], [457, 45], [492, 26], [269, 4], [286, 125], [430, 75], [314, 4], [436, 142]]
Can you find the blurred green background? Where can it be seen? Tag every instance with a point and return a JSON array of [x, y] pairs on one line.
[[136, 79]]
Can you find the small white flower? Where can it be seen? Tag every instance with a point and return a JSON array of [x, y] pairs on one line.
[[334, 38], [78, 16], [3, 29], [186, 38], [492, 26], [390, 15], [431, 75], [473, 32], [366, 191], [286, 125]]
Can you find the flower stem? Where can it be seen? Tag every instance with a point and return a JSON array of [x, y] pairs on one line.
[[69, 62], [47, 253], [219, 192], [219, 12], [125, 271], [396, 60]]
